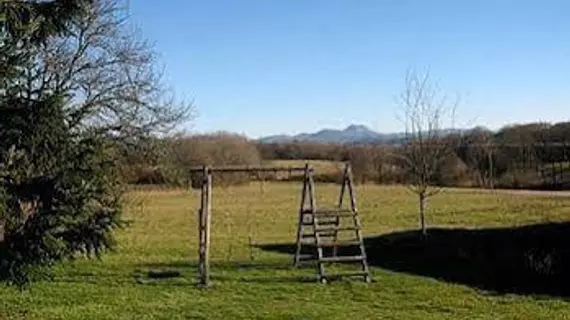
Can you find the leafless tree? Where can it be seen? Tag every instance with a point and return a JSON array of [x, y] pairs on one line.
[[478, 155], [427, 113], [110, 75]]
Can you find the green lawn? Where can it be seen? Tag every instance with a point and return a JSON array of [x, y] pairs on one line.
[[163, 234]]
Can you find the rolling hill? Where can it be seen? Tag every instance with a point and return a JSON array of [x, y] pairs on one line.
[[351, 134]]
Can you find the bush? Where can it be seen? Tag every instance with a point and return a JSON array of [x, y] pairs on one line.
[[453, 172], [167, 161], [219, 149], [301, 151], [376, 164], [520, 179]]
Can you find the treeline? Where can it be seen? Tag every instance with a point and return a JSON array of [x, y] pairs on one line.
[[533, 155], [166, 161]]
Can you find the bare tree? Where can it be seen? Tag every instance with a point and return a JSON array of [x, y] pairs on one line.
[[426, 110], [111, 73], [477, 151]]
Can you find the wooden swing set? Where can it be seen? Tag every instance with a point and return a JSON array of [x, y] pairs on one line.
[[321, 230]]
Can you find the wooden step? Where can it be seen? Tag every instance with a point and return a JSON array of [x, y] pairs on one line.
[[346, 274], [319, 222], [339, 244], [342, 259], [333, 229], [312, 236], [326, 222], [339, 241], [331, 212]]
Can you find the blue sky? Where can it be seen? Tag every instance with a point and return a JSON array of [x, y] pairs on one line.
[[262, 67]]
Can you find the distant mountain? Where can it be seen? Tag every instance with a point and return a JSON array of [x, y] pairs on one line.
[[351, 134]]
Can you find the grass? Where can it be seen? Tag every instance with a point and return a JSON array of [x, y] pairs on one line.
[[163, 236]]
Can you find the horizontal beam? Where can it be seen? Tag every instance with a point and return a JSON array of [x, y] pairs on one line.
[[249, 169]]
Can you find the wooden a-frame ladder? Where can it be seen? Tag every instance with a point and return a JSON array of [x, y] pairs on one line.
[[323, 231]]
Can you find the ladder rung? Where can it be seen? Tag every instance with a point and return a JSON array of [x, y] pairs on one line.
[[342, 259], [335, 214], [336, 229], [326, 223], [346, 274], [312, 236], [321, 223], [339, 244], [331, 212]]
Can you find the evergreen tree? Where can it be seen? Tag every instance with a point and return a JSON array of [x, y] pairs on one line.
[[59, 193], [39, 20]]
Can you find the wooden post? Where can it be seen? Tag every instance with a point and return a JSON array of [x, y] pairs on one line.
[[565, 168], [343, 185], [340, 203], [204, 229], [201, 234], [356, 219], [553, 168], [491, 168], [313, 207], [208, 224], [350, 186], [300, 228]]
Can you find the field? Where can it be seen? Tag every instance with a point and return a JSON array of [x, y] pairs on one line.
[[257, 282]]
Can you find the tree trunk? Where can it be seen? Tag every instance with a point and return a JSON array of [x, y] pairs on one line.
[[422, 197], [491, 170]]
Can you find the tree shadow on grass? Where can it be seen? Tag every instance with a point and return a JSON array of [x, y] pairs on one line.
[[138, 275], [185, 273], [220, 265], [533, 259], [267, 279], [252, 271]]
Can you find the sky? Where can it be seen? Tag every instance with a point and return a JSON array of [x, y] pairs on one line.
[[264, 67]]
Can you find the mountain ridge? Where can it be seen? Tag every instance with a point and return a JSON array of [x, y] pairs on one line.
[[354, 133]]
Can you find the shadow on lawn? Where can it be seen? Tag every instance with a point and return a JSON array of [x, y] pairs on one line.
[[220, 265], [532, 259], [251, 271]]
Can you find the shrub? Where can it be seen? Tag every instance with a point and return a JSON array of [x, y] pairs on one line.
[[453, 172], [217, 149], [519, 178]]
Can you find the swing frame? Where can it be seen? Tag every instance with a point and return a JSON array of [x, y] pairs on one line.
[[205, 211]]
